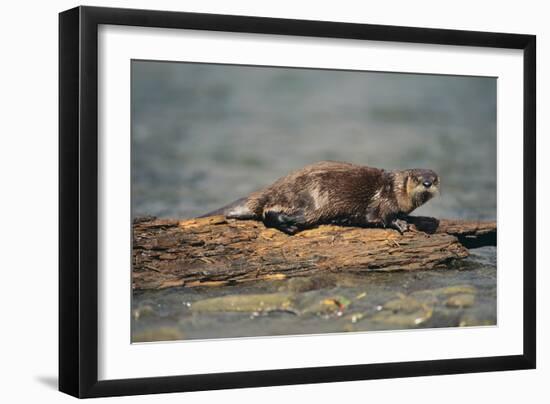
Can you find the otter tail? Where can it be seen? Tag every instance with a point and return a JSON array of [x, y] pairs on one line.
[[234, 210]]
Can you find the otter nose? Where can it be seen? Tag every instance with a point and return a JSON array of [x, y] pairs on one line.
[[427, 183]]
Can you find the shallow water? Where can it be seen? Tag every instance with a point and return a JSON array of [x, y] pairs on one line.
[[204, 135]]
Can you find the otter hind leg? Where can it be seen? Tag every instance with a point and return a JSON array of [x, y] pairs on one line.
[[289, 224]]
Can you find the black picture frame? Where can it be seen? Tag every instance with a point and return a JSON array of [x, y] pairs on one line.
[[78, 200]]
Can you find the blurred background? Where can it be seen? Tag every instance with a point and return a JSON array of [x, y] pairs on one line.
[[204, 135]]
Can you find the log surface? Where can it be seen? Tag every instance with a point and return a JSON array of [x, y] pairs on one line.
[[216, 251]]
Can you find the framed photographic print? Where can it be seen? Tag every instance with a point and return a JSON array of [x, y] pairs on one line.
[[250, 201]]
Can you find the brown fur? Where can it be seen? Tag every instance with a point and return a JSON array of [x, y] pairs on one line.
[[337, 192]]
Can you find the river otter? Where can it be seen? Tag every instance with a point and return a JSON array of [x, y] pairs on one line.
[[331, 192]]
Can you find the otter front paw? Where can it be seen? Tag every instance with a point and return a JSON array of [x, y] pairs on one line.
[[400, 225]]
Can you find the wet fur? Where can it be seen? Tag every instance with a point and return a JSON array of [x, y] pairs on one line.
[[337, 193]]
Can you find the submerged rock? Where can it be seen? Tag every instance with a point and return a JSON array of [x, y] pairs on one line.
[[143, 311], [158, 334], [456, 289], [403, 319], [469, 320], [442, 292], [403, 312], [460, 300], [325, 306], [245, 303], [405, 305]]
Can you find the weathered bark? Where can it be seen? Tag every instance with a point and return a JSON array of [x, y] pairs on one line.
[[217, 251]]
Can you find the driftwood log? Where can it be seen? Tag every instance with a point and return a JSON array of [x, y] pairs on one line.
[[216, 251]]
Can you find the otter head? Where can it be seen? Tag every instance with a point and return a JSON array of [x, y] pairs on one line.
[[416, 187], [422, 185]]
